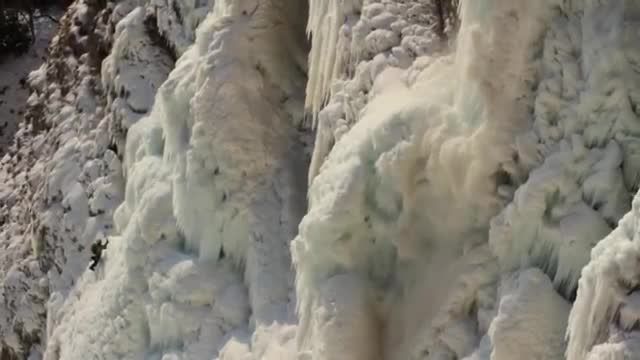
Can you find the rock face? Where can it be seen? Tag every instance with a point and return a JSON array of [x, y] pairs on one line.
[[413, 182]]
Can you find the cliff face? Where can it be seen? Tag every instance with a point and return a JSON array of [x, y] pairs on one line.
[[416, 181], [62, 177]]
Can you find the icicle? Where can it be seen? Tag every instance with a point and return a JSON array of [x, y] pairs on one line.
[[326, 17]]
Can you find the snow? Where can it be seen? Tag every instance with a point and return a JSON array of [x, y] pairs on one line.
[[130, 87]]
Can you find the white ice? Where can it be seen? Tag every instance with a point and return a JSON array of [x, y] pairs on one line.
[[456, 190]]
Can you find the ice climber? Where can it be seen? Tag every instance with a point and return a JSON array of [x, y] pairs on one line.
[[96, 250]]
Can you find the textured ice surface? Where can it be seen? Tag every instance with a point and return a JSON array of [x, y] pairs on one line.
[[457, 187], [215, 188], [522, 140]]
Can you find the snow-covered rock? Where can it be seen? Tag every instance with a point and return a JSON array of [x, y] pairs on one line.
[[61, 178]]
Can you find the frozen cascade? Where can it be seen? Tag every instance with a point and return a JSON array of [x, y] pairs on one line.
[[506, 155], [463, 193], [200, 255], [366, 222]]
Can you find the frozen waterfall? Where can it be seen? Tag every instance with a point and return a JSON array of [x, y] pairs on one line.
[[340, 180]]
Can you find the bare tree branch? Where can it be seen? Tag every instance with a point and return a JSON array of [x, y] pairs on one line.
[[42, 15]]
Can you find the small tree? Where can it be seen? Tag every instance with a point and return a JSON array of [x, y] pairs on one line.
[[16, 34], [17, 22]]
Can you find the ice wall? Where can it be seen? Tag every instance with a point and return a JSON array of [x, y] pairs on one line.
[[515, 151], [458, 184], [215, 187]]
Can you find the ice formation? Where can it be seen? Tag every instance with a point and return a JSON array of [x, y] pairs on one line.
[[512, 142], [461, 202], [201, 254]]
